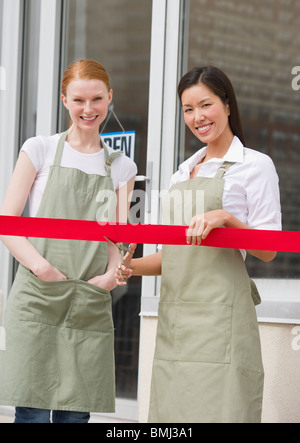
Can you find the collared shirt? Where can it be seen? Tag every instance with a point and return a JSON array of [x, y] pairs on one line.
[[251, 185]]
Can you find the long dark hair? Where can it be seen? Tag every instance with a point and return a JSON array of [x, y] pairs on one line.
[[220, 85]]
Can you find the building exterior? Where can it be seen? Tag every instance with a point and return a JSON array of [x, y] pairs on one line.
[[147, 46]]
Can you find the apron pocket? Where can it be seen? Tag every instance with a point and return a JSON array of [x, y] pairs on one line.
[[194, 332], [91, 309], [203, 332], [45, 302]]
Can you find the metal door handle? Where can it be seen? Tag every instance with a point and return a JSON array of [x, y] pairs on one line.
[[148, 179], [142, 178]]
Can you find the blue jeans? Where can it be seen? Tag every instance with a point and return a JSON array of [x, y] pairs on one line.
[[32, 415]]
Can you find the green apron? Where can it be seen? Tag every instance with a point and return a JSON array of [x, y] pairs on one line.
[[60, 335], [207, 365]]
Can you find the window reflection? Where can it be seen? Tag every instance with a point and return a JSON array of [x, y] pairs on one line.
[[30, 70], [257, 45]]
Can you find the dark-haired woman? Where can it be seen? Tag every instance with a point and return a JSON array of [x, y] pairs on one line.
[[207, 364]]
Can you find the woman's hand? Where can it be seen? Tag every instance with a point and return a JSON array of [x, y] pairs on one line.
[[46, 272], [123, 271], [109, 281], [106, 281], [201, 225]]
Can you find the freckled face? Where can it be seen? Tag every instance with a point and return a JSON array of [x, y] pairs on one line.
[[87, 102], [205, 114]]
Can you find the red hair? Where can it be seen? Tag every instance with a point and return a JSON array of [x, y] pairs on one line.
[[84, 70]]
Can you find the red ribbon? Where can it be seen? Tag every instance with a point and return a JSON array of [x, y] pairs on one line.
[[264, 240]]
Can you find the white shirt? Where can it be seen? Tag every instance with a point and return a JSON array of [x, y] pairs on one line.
[[251, 185], [41, 151]]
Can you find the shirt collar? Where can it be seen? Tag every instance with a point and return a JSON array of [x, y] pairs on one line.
[[235, 154]]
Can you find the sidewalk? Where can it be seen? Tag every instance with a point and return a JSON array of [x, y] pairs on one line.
[[6, 414]]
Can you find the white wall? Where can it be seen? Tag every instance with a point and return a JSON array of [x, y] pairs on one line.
[[281, 357]]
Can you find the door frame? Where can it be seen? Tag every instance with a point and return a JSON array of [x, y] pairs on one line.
[[10, 104]]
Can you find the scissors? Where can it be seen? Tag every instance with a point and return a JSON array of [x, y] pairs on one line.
[[122, 249]]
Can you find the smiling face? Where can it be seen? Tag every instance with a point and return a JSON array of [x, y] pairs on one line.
[[206, 115], [87, 102]]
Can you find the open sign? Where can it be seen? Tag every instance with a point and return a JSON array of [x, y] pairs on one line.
[[121, 141]]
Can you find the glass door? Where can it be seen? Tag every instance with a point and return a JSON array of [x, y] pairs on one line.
[[118, 36]]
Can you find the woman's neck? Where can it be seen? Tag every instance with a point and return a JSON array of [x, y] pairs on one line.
[[87, 142], [219, 148]]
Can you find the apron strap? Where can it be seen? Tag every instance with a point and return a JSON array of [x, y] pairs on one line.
[[109, 159], [223, 169], [60, 148]]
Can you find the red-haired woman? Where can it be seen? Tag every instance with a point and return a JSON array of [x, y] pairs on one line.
[[58, 323]]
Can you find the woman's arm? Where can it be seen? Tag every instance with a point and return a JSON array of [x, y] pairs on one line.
[[201, 226], [145, 266], [107, 281], [13, 204]]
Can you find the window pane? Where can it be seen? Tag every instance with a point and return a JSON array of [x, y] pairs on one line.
[[257, 44], [117, 33], [30, 70]]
